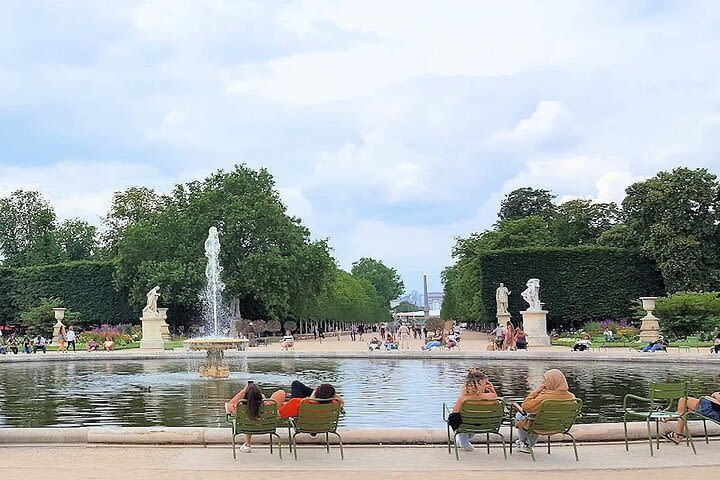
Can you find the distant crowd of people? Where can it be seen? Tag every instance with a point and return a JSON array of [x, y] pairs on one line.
[[65, 340]]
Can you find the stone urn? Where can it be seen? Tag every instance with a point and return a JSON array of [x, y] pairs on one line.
[[59, 316], [650, 328]]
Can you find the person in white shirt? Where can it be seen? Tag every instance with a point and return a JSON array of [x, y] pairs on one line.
[[404, 333], [288, 340], [70, 337], [39, 344]]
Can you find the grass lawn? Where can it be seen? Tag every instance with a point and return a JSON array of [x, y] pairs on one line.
[[599, 341]]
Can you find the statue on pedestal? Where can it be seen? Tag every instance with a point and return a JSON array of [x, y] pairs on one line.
[[501, 299], [532, 294], [151, 309]]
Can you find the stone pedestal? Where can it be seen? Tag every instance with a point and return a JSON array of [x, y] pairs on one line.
[[535, 327], [650, 328], [503, 318], [164, 328], [152, 329]]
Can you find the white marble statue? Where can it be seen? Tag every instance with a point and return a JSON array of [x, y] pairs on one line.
[[151, 308], [532, 294], [501, 299]]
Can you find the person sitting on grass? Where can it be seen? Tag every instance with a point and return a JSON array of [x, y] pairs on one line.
[[435, 343], [108, 344], [92, 345], [288, 341], [478, 387], [374, 344], [582, 344], [555, 387], [451, 341], [705, 406]]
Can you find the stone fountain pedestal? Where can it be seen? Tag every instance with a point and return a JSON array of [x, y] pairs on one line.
[[650, 328], [215, 348]]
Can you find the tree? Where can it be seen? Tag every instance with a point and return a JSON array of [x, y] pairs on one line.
[[128, 208], [347, 298], [527, 202], [27, 230], [386, 280], [406, 306], [269, 261], [676, 216], [523, 232], [42, 317], [77, 239], [581, 222]]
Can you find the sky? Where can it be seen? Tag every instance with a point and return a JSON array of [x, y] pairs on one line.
[[391, 127]]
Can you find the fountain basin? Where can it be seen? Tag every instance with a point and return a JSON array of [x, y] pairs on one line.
[[214, 347]]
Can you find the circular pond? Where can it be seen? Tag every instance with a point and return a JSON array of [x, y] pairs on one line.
[[379, 393]]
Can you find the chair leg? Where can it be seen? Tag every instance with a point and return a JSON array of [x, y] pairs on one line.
[[650, 439], [657, 433], [548, 444], [487, 441], [327, 442], [290, 438], [448, 434], [279, 444], [707, 440], [457, 456], [577, 459], [626, 437], [502, 441], [271, 444], [532, 452], [294, 443], [342, 455], [233, 446], [511, 436]]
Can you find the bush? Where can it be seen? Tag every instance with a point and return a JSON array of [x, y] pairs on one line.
[[689, 313], [117, 334], [578, 284], [41, 318]]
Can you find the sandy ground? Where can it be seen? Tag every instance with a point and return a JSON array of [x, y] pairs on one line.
[[157, 463]]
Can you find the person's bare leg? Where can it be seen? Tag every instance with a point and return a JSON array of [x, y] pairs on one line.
[[279, 397], [684, 407], [248, 439]]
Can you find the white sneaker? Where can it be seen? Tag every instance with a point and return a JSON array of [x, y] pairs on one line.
[[519, 444], [523, 448], [245, 448], [469, 448]]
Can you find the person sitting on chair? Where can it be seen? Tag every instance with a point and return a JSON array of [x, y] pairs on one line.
[[374, 344], [436, 342], [555, 387], [706, 406], [582, 344], [288, 341], [390, 342], [476, 386]]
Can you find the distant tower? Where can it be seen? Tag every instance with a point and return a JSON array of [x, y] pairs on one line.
[[426, 303]]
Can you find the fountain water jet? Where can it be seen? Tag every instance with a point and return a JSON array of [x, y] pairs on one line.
[[215, 345]]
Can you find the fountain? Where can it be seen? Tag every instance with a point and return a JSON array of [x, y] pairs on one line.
[[215, 345]]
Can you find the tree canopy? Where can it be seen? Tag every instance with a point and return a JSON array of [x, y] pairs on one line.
[[386, 280], [526, 202]]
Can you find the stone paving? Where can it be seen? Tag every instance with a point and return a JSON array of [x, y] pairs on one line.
[[157, 463]]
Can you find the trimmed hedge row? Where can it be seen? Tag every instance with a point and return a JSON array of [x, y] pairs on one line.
[[86, 287], [577, 284]]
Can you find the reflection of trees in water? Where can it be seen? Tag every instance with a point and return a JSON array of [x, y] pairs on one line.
[[378, 391]]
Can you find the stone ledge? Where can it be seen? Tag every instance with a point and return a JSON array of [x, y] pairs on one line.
[[597, 432]]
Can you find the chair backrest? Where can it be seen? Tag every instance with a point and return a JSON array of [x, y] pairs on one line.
[[481, 416], [668, 392], [318, 416], [265, 423], [555, 416]]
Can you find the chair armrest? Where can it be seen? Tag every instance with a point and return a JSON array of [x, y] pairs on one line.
[[446, 412], [630, 396]]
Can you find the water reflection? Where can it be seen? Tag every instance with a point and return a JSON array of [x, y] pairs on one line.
[[403, 393]]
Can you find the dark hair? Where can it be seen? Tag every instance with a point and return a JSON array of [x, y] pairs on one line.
[[254, 400], [325, 391]]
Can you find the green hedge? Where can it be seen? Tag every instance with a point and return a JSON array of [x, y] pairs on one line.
[[577, 284], [86, 287]]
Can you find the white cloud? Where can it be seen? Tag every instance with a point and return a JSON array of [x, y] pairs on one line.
[[549, 120]]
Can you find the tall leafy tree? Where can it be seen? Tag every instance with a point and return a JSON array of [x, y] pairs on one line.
[[523, 232], [406, 306], [270, 263], [676, 217], [128, 208], [581, 222], [77, 239], [27, 230], [527, 202], [386, 280]]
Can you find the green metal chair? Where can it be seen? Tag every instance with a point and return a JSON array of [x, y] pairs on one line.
[[318, 416], [478, 417], [660, 404], [552, 418], [241, 423]]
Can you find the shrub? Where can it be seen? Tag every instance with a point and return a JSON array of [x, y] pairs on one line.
[[41, 318], [117, 334], [684, 314]]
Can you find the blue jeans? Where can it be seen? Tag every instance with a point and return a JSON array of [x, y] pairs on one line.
[[523, 436], [431, 344], [463, 439]]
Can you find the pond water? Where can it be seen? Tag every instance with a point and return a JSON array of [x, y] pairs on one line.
[[378, 392]]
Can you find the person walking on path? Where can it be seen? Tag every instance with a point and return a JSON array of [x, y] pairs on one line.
[[70, 338], [353, 332], [404, 333]]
